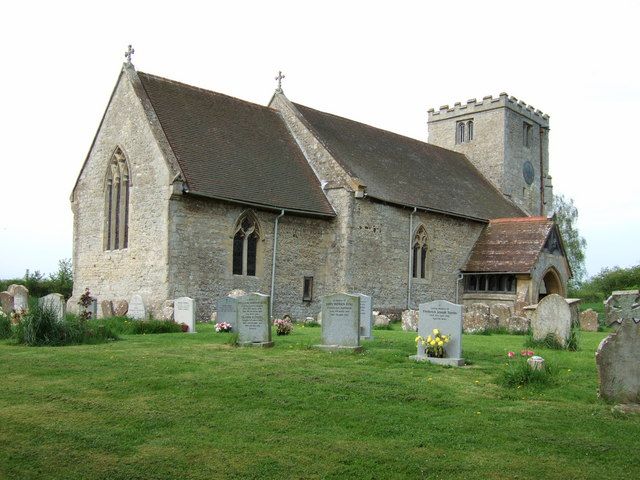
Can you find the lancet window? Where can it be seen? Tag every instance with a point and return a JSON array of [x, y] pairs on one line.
[[245, 245], [117, 192]]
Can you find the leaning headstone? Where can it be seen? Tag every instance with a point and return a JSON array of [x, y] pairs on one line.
[[136, 308], [589, 320], [253, 325], [366, 316], [54, 302], [618, 362], [621, 305], [502, 312], [227, 310], [120, 308], [446, 317], [6, 302], [340, 322], [552, 316], [410, 320], [106, 309], [20, 297], [184, 311]]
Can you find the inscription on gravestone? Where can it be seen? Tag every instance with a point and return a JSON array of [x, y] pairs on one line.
[[446, 317], [253, 323], [227, 309], [341, 321], [136, 308]]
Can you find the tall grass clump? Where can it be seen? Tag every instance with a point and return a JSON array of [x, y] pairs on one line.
[[552, 342], [519, 373], [127, 326], [5, 325]]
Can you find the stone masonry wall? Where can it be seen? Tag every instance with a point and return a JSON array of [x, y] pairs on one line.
[[142, 267]]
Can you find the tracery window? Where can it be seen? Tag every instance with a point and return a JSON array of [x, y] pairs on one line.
[[245, 245], [460, 137], [420, 253], [117, 191], [469, 130]]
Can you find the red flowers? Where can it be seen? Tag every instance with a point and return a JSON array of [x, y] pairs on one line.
[[527, 353], [511, 354]]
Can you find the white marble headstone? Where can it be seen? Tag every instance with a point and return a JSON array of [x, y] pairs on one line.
[[253, 325], [341, 320], [227, 310], [20, 297], [55, 302], [447, 318], [136, 308], [366, 316], [184, 311]]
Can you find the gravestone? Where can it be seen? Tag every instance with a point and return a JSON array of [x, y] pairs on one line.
[[517, 324], [589, 320], [120, 308], [20, 297], [136, 308], [502, 313], [54, 302], [227, 309], [167, 310], [340, 322], [621, 305], [478, 318], [618, 362], [574, 306], [552, 316], [381, 320], [366, 316], [6, 302], [410, 320], [447, 318], [253, 325], [93, 308], [106, 309], [184, 311]]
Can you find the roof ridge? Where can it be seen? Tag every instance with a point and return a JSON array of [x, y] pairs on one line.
[[519, 219], [204, 90]]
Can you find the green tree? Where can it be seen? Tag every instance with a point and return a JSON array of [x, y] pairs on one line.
[[566, 216], [62, 280]]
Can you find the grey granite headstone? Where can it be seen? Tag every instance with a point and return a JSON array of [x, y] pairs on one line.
[[227, 310], [340, 322], [93, 308], [253, 325], [366, 316], [552, 316], [20, 297], [618, 362], [184, 311], [447, 318], [6, 302], [106, 307], [137, 311], [55, 302]]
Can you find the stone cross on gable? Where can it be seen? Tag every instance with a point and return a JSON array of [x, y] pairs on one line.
[[623, 305], [279, 79], [130, 51]]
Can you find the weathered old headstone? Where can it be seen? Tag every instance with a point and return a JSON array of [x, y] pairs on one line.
[[618, 361], [552, 316], [574, 306], [227, 310], [517, 324], [137, 311], [106, 309], [502, 312], [446, 317], [54, 302], [184, 312], [410, 320], [93, 308], [589, 320], [381, 320], [120, 308], [6, 302], [253, 325], [478, 318], [366, 316], [20, 297], [340, 322], [621, 305]]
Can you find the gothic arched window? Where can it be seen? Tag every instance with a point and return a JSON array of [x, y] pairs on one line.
[[245, 245], [470, 130], [460, 137], [420, 253], [117, 188]]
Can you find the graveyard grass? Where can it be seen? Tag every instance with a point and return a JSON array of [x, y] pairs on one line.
[[194, 407]]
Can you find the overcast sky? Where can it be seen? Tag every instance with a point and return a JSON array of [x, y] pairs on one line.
[[382, 63]]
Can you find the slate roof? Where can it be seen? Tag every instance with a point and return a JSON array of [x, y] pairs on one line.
[[405, 171], [234, 150], [509, 245]]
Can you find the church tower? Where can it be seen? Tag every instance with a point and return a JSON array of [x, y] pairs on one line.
[[507, 140]]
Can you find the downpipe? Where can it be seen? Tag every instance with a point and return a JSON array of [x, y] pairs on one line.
[[273, 264]]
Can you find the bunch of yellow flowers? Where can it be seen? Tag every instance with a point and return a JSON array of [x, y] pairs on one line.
[[434, 345]]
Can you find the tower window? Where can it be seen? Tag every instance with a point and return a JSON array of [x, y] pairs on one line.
[[464, 131], [470, 130], [526, 134], [307, 290], [460, 129]]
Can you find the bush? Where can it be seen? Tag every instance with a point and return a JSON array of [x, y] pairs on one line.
[[283, 327], [599, 287], [519, 373]]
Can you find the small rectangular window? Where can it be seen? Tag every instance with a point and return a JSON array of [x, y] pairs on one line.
[[307, 290], [526, 134]]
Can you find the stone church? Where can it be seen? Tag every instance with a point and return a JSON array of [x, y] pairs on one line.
[[189, 192]]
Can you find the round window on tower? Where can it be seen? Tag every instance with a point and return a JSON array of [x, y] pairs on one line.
[[527, 172]]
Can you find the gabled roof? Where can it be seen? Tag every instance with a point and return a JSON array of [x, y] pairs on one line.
[[234, 150], [511, 245], [405, 171]]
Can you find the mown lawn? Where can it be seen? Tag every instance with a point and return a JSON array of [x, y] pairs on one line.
[[193, 407]]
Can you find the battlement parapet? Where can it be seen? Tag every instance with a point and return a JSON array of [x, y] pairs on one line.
[[488, 102]]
